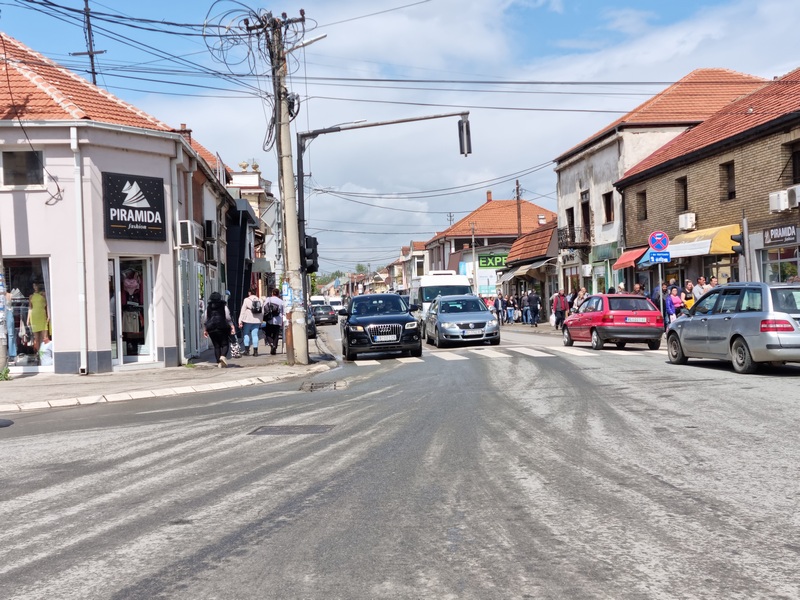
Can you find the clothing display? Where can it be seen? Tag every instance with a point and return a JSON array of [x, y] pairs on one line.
[[46, 354], [38, 312]]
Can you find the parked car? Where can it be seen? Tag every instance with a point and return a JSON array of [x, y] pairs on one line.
[[311, 325], [325, 314], [463, 318], [616, 318], [746, 323], [379, 323]]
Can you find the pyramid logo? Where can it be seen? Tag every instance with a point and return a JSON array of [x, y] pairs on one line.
[[134, 196]]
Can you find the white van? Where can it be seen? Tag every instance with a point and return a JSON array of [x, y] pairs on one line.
[[426, 288], [335, 302], [317, 300]]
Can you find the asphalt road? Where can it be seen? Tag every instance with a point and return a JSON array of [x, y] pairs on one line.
[[518, 471]]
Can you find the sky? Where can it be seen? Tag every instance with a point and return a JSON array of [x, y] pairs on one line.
[[537, 77]]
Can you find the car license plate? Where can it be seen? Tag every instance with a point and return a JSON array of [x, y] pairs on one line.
[[472, 332], [636, 319], [385, 338]]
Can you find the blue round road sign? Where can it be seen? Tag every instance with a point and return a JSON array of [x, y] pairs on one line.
[[659, 241]]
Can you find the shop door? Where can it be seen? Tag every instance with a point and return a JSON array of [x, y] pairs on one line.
[[132, 332]]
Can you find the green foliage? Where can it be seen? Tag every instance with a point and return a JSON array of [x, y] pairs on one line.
[[5, 374], [361, 269]]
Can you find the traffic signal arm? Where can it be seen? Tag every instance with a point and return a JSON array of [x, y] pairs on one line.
[[738, 248]]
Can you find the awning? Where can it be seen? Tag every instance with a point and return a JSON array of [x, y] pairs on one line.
[[703, 242], [522, 271], [507, 276], [628, 258]]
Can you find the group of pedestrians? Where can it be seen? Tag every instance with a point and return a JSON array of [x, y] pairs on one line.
[[256, 313], [671, 297], [509, 308]]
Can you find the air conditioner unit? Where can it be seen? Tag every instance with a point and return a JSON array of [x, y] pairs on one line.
[[586, 270], [185, 234], [210, 230], [211, 252], [779, 201], [793, 194], [687, 221], [198, 231]]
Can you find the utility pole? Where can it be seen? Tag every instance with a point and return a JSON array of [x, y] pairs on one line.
[[474, 264], [519, 210], [3, 324], [89, 43], [296, 333]]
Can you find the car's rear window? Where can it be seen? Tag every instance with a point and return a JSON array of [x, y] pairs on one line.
[[631, 303], [786, 299]]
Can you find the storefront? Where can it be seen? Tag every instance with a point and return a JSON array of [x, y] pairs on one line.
[[28, 318], [777, 254]]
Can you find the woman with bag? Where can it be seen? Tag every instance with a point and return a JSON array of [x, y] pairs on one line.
[[218, 327]]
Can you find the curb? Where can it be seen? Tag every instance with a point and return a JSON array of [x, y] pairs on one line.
[[159, 393]]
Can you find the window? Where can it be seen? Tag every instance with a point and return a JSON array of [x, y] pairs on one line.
[[706, 304], [420, 266], [751, 300], [681, 195], [727, 180], [23, 168], [608, 207], [641, 206], [730, 298]]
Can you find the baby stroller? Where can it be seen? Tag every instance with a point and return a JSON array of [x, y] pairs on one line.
[[236, 349]]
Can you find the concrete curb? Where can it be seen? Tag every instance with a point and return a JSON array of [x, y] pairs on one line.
[[159, 393]]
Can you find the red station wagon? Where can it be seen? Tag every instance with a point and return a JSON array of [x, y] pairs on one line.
[[615, 318]]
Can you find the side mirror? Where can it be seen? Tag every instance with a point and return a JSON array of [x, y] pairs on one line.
[[413, 308], [343, 312]]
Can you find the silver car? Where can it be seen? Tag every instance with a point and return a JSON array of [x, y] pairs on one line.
[[464, 318], [746, 323]]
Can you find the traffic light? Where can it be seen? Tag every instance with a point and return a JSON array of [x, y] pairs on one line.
[[739, 239], [464, 137], [310, 255]]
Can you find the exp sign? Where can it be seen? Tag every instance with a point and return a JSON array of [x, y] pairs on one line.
[[492, 261], [659, 241]]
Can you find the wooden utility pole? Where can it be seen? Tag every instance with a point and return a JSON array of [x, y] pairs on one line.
[[519, 210], [3, 324], [89, 42]]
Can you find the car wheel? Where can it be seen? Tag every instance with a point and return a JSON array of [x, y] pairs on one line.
[[567, 337], [428, 339], [654, 344], [742, 359], [417, 352], [621, 345], [347, 355], [495, 341], [674, 350], [597, 341], [437, 340]]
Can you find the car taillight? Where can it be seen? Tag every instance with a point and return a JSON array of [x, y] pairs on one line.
[[608, 318], [776, 325], [660, 320]]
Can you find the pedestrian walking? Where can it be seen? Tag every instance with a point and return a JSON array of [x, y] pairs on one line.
[[273, 317], [218, 326], [535, 303], [560, 308], [250, 319], [525, 302]]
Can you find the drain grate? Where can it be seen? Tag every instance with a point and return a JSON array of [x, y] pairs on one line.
[[291, 429], [316, 386]]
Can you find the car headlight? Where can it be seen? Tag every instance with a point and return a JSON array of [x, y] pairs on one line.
[[450, 325], [412, 325], [356, 328], [493, 322]]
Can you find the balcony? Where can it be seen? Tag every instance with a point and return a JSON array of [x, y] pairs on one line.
[[573, 237]]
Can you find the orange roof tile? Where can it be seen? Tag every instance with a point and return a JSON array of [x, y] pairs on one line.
[[497, 218], [687, 102], [533, 245], [769, 103], [38, 89], [418, 246]]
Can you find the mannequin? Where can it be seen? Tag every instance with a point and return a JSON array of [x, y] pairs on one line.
[[38, 316]]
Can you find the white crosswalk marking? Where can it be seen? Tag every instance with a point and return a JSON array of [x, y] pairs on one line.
[[531, 352], [448, 356], [366, 363], [409, 359], [489, 353], [575, 351]]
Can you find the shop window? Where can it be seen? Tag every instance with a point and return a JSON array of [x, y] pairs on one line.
[[780, 265], [28, 316], [23, 168], [681, 195], [727, 181]]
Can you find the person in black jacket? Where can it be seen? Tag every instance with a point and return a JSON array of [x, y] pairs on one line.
[[218, 327]]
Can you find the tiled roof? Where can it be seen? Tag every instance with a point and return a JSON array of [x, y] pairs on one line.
[[418, 246], [687, 102], [533, 245], [497, 218], [37, 89], [771, 102]]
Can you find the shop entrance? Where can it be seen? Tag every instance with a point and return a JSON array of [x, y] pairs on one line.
[[131, 293]]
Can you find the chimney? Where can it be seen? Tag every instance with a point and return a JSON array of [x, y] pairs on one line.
[[542, 219], [489, 195], [466, 247]]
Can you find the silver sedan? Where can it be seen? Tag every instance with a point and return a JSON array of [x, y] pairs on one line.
[[745, 323], [465, 318]]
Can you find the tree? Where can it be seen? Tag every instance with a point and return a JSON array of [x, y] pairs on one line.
[[361, 269]]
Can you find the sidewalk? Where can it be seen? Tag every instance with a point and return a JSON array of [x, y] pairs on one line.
[[49, 390]]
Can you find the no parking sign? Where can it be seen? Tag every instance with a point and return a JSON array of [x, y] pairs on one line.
[[659, 241]]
